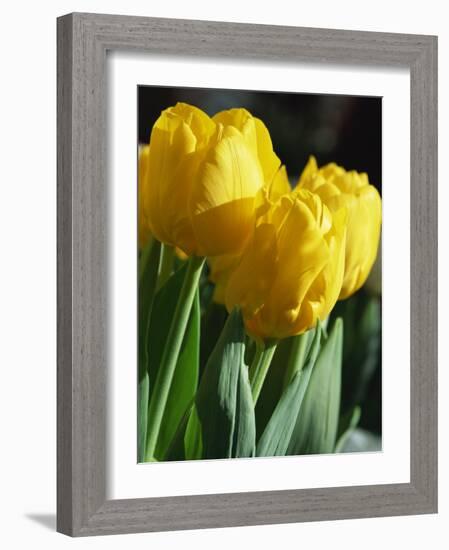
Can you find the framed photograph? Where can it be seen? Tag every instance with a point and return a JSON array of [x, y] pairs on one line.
[[247, 274]]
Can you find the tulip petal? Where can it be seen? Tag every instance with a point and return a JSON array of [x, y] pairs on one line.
[[201, 125], [364, 222], [171, 141], [254, 276], [256, 135], [303, 253], [327, 286], [230, 172], [223, 198], [242, 121], [269, 160]]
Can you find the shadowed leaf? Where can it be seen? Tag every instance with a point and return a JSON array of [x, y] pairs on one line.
[[224, 402]]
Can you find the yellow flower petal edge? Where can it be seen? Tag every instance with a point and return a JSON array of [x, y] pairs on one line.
[[351, 190]]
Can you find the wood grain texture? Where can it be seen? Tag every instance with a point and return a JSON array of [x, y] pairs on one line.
[[83, 40], [64, 275]]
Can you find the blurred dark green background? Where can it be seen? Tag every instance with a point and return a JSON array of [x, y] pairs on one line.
[[335, 128]]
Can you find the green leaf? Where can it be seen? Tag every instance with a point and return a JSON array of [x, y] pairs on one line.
[[212, 323], [187, 443], [299, 351], [348, 423], [224, 402], [289, 357], [361, 347], [185, 379], [193, 443], [277, 435], [315, 431], [273, 387], [148, 270], [176, 450]]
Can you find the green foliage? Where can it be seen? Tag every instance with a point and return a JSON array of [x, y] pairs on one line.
[[298, 411], [316, 426], [148, 271], [277, 436], [193, 443], [273, 386], [224, 402], [185, 379], [176, 450], [361, 374], [187, 443], [212, 323]]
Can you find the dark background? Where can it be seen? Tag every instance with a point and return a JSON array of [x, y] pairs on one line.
[[343, 129], [335, 128]]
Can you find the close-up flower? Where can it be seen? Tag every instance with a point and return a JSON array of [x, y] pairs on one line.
[[297, 253], [199, 189], [178, 139], [349, 189], [255, 336]]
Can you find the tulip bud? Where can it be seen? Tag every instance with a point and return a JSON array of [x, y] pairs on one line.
[[291, 272], [201, 183], [351, 190]]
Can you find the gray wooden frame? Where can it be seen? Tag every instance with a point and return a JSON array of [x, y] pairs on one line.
[[83, 40]]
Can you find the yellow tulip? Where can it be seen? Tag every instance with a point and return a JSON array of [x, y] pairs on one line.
[[201, 184], [349, 189], [291, 272], [221, 267], [180, 134]]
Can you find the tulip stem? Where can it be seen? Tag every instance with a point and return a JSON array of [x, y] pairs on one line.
[[145, 254], [259, 366], [148, 269], [296, 357], [166, 268], [172, 347]]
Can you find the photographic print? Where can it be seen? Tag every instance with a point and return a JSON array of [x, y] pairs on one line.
[[259, 267]]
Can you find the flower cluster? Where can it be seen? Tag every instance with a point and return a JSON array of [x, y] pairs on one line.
[[284, 255]]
